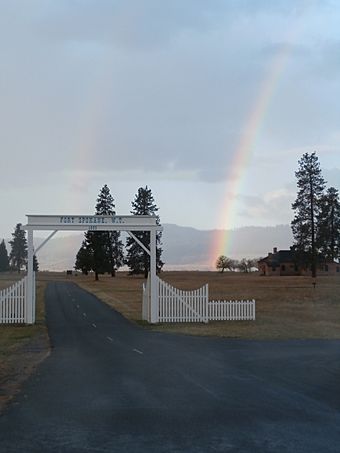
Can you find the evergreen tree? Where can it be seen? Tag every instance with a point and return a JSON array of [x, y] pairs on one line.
[[307, 208], [137, 259], [4, 260], [18, 255], [35, 263], [329, 226], [101, 251], [113, 244], [84, 258]]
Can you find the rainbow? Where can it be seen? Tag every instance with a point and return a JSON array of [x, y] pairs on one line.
[[86, 137], [221, 241]]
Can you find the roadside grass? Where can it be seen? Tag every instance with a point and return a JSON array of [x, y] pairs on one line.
[[21, 347], [12, 336], [286, 307]]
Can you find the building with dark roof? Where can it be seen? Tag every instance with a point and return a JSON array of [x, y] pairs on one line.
[[282, 263], [279, 263]]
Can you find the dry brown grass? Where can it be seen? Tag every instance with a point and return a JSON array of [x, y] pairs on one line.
[[286, 307], [7, 278]]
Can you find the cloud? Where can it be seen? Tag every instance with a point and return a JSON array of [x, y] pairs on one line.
[[153, 87], [273, 207]]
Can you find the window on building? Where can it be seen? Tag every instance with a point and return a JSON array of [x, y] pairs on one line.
[[273, 269], [326, 267], [338, 269], [283, 267]]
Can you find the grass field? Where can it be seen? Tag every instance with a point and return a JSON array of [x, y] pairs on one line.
[[7, 278], [286, 307]]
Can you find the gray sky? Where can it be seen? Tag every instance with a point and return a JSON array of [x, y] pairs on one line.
[[162, 93]]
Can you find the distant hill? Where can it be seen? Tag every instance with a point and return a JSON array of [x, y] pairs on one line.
[[183, 247], [187, 247]]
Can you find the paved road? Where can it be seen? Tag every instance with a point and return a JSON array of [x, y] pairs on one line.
[[110, 386]]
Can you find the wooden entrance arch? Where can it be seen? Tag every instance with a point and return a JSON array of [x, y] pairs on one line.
[[55, 223]]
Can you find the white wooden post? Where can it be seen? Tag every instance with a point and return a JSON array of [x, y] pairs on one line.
[[30, 302], [153, 279]]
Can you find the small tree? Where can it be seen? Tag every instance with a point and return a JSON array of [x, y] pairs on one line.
[[223, 262], [247, 264], [18, 255], [137, 259], [4, 260], [307, 209]]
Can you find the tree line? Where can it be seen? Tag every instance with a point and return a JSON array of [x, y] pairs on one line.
[[244, 265], [103, 251], [17, 259], [316, 222]]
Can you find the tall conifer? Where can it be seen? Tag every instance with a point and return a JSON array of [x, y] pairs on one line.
[[4, 260], [101, 251], [137, 259], [329, 226], [307, 208], [18, 255]]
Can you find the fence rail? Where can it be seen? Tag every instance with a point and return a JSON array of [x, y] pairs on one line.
[[231, 310], [12, 303]]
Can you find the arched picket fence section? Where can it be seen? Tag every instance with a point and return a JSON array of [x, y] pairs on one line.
[[175, 305]]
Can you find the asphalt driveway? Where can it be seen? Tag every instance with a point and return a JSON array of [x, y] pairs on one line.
[[111, 386]]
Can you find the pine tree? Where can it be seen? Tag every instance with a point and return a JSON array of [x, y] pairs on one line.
[[101, 251], [307, 208], [84, 259], [329, 226], [4, 260], [18, 255], [137, 259], [113, 245]]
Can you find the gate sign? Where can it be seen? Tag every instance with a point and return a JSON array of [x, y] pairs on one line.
[[93, 222]]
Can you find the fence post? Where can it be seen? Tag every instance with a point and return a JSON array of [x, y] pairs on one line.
[[153, 279], [29, 299]]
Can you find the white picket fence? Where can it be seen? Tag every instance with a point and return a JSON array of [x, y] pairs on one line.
[[231, 310], [177, 305], [12, 303]]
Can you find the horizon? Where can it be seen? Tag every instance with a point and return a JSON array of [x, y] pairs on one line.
[[181, 248]]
